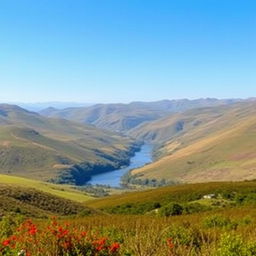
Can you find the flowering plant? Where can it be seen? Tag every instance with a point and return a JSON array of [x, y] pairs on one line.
[[56, 240]]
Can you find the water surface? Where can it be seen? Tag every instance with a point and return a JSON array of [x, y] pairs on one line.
[[113, 178]]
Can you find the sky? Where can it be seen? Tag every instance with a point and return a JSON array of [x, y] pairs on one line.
[[126, 50]]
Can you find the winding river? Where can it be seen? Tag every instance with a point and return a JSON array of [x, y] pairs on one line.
[[113, 178]]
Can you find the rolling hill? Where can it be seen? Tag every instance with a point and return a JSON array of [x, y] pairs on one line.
[[57, 150], [60, 190], [207, 144], [36, 203], [124, 117], [144, 201]]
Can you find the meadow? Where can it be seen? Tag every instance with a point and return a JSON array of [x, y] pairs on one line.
[[220, 233], [169, 221]]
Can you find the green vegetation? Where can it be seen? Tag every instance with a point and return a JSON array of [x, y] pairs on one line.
[[57, 150], [194, 219], [63, 191], [187, 199], [35, 203], [155, 236], [128, 180], [204, 219]]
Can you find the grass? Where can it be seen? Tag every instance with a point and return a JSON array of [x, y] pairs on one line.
[[227, 230], [63, 191], [144, 201], [191, 235], [33, 202]]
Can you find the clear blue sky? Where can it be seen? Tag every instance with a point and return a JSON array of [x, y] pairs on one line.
[[125, 50]]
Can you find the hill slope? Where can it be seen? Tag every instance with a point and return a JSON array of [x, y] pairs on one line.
[[33, 202], [63, 191], [159, 197], [54, 149], [210, 144], [124, 117]]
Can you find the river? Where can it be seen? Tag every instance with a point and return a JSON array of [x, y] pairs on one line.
[[113, 178]]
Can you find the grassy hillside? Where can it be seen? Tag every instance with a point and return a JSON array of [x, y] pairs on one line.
[[160, 197], [63, 191], [54, 149], [124, 117], [138, 223], [222, 226], [211, 144], [33, 202]]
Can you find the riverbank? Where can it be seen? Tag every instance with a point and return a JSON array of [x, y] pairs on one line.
[[113, 178], [80, 174]]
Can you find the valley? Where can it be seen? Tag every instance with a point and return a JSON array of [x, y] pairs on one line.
[[181, 178], [57, 150], [192, 141], [114, 178], [127, 128]]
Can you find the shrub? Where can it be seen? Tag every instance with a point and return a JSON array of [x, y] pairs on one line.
[[233, 245], [8, 224], [219, 221], [181, 235], [56, 239], [194, 208], [171, 209], [131, 208]]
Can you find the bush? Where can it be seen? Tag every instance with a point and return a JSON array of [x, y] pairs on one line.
[[181, 235], [8, 224], [233, 245], [171, 209], [131, 208], [219, 221], [194, 208], [56, 239]]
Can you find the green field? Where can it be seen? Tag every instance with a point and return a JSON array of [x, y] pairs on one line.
[[63, 191], [226, 227], [148, 200]]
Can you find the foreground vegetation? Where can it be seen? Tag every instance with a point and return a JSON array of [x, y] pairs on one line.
[[219, 233], [214, 219]]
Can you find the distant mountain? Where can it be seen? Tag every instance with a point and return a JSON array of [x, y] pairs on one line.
[[57, 150], [124, 117], [38, 106], [205, 144]]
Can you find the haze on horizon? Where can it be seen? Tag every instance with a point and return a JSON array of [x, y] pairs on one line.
[[122, 51]]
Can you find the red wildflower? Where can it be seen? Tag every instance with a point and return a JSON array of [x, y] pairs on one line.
[[67, 245], [6, 242], [114, 247], [83, 234], [32, 230], [100, 244], [170, 243]]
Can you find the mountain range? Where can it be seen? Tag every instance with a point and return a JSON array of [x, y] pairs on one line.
[[124, 117], [194, 140]]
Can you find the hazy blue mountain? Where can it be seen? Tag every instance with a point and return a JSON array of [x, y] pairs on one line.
[[124, 117]]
